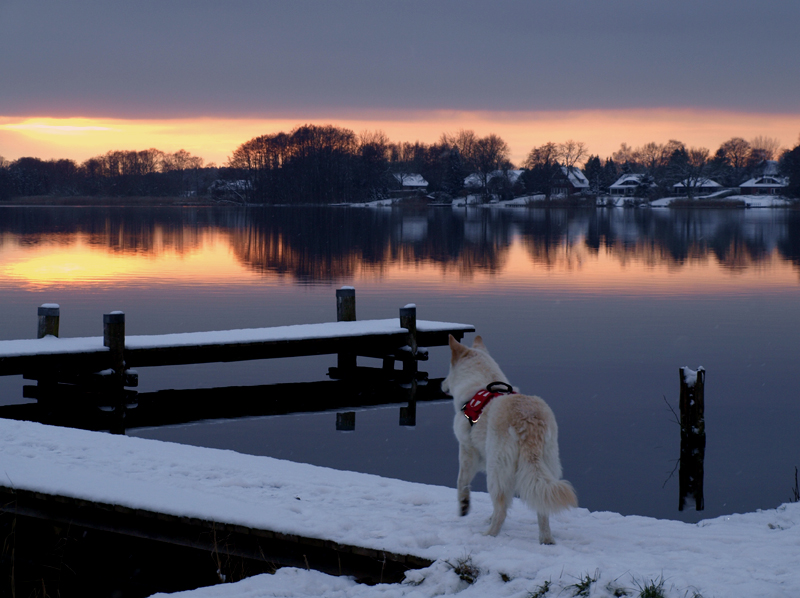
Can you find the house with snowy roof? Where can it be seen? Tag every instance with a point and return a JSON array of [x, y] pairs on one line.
[[475, 180], [628, 184], [410, 181], [696, 185], [571, 181], [767, 184]]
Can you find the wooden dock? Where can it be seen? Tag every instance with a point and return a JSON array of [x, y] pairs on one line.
[[109, 362], [269, 549]]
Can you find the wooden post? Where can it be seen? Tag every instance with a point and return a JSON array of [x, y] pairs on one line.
[[408, 320], [114, 339], [46, 377], [346, 304], [346, 312], [48, 320], [693, 436]]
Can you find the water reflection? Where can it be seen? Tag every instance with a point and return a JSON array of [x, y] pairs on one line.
[[328, 245]]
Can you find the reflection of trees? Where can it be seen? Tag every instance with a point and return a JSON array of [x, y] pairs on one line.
[[321, 243], [120, 230], [326, 244], [735, 238]]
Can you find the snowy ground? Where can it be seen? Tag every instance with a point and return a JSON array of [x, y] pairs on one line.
[[751, 201], [753, 554]]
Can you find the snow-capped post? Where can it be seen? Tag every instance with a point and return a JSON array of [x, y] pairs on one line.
[[48, 320], [693, 436], [346, 304], [346, 312], [408, 320], [114, 339]]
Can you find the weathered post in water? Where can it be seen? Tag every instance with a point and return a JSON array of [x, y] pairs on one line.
[[49, 314], [346, 312], [693, 436]]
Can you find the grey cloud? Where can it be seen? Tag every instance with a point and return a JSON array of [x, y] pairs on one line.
[[194, 57]]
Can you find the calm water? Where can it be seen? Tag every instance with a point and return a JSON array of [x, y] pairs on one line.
[[593, 310]]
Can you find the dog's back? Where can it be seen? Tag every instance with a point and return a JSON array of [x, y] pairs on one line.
[[525, 434]]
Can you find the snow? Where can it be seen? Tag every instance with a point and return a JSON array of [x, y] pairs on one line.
[[690, 375], [750, 554]]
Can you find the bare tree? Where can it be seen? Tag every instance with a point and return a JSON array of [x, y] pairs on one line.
[[691, 168], [763, 148], [571, 152], [490, 154], [733, 155], [542, 168]]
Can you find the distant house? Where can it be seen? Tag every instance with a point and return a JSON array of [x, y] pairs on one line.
[[696, 185], [410, 181], [475, 180], [628, 184], [764, 185], [571, 181]]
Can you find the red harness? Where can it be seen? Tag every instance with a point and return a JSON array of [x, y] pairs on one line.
[[474, 407]]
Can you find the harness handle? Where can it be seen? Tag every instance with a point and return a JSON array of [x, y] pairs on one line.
[[506, 388]]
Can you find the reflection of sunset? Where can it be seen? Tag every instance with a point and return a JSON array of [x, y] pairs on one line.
[[83, 264], [214, 139], [224, 250]]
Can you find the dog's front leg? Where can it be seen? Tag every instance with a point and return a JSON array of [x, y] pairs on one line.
[[468, 463]]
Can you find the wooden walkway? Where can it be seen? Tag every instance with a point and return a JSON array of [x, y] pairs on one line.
[[109, 360]]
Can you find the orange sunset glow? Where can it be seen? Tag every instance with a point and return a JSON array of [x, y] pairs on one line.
[[214, 139]]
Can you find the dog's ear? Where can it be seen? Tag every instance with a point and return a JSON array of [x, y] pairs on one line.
[[478, 343], [456, 349]]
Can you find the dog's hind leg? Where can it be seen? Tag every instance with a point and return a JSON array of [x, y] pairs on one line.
[[468, 466], [545, 535], [501, 489]]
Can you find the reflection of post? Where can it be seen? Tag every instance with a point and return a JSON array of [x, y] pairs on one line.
[[346, 312], [408, 415], [693, 437], [346, 421]]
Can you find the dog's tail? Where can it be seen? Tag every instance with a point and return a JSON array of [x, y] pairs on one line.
[[542, 491]]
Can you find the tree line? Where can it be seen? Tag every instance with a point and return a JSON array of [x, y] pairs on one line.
[[117, 173], [328, 164]]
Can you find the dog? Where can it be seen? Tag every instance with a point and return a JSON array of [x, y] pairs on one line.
[[514, 440]]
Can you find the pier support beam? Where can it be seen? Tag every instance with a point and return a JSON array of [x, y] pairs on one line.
[[346, 312], [408, 320]]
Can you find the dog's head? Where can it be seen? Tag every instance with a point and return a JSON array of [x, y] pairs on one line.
[[471, 369]]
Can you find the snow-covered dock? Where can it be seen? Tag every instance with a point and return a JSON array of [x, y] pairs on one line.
[[752, 554], [55, 359]]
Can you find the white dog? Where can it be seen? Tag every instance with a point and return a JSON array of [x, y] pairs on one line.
[[514, 440]]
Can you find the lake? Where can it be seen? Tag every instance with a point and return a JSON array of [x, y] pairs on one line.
[[594, 310]]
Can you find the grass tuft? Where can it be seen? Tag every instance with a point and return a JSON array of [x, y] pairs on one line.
[[541, 591], [466, 569], [584, 585], [653, 589]]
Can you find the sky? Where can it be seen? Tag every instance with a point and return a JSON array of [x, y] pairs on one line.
[[84, 77]]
